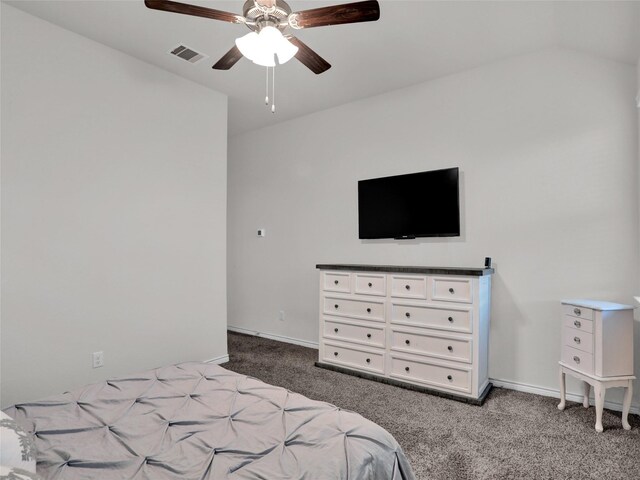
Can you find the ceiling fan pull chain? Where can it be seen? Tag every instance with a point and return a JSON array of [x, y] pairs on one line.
[[266, 98], [273, 91]]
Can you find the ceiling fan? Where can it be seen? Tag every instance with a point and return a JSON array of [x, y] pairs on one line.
[[267, 19]]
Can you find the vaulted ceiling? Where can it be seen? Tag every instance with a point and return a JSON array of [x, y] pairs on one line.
[[414, 41]]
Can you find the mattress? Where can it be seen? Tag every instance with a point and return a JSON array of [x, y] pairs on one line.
[[201, 421]]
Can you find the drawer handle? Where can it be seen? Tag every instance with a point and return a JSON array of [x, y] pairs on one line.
[[368, 335], [407, 342], [577, 311], [336, 306], [370, 284], [368, 310], [577, 324], [449, 377], [576, 359], [577, 340], [450, 348], [408, 287], [408, 315], [336, 282], [335, 330], [451, 290], [368, 360], [406, 369], [335, 353], [450, 319]]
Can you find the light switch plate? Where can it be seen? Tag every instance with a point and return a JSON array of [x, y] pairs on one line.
[[97, 359]]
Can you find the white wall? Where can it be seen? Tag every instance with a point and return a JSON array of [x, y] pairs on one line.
[[113, 212], [547, 147]]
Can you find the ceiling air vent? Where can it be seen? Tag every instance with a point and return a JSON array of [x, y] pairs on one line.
[[188, 54]]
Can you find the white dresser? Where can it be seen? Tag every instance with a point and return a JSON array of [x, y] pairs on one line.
[[597, 348], [426, 328]]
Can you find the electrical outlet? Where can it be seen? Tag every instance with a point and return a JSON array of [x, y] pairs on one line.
[[281, 316], [262, 232], [98, 359]]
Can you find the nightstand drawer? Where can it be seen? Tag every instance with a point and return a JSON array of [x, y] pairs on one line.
[[423, 343], [449, 378], [408, 286], [578, 312], [368, 335], [336, 282], [432, 317], [452, 290], [577, 359], [354, 357], [581, 340], [367, 310], [371, 284], [581, 324]]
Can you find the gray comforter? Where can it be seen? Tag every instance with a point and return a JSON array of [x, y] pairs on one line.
[[200, 421]]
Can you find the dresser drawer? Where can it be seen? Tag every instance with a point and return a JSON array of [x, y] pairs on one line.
[[452, 290], [577, 359], [336, 282], [581, 340], [578, 312], [354, 357], [371, 284], [405, 286], [373, 335], [455, 320], [581, 324], [450, 378], [450, 348], [366, 309]]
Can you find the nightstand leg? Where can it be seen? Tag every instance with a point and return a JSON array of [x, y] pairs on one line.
[[586, 388], [626, 404], [562, 390], [599, 391]]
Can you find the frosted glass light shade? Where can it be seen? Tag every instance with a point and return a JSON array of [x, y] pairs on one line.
[[286, 50], [261, 47]]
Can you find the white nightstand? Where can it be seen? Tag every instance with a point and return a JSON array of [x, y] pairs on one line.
[[597, 348]]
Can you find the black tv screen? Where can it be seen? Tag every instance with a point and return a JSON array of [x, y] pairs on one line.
[[424, 204]]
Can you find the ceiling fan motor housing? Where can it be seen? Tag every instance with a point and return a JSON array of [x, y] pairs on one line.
[[259, 16]]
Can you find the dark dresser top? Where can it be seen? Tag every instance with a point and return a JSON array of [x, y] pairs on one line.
[[466, 271]]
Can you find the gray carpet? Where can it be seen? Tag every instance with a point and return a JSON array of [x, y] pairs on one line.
[[512, 436]]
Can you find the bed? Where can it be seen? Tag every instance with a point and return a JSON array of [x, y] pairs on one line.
[[200, 421]]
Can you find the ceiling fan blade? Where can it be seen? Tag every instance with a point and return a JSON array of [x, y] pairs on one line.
[[195, 10], [229, 59], [368, 11], [309, 58]]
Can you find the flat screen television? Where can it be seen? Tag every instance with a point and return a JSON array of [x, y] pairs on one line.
[[424, 204]]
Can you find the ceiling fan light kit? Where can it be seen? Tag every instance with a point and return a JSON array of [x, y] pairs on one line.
[[266, 44], [265, 47]]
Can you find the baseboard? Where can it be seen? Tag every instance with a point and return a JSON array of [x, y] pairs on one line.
[[550, 392], [218, 360], [519, 387], [273, 336]]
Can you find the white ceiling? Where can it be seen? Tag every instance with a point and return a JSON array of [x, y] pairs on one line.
[[414, 41]]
